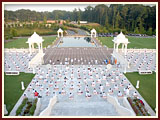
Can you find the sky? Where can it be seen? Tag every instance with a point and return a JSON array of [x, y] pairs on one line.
[[46, 7]]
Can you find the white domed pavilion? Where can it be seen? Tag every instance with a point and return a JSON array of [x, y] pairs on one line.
[[60, 31], [35, 38], [93, 32], [121, 39]]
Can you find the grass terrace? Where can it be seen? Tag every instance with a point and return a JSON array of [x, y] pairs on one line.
[[147, 86], [21, 42], [149, 43], [12, 88]]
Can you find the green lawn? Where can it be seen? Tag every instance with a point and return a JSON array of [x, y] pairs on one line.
[[12, 88], [149, 43], [147, 86], [23, 31], [21, 42]]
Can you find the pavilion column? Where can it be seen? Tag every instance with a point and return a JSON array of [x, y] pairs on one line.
[[33, 47], [122, 47], [91, 34], [125, 52], [39, 47], [117, 47], [58, 34], [94, 34], [62, 34], [30, 48], [114, 45]]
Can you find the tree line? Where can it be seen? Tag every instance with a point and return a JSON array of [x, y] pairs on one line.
[[134, 18]]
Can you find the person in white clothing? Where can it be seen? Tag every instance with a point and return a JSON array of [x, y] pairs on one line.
[[127, 92], [104, 77], [107, 83], [101, 88], [88, 94], [116, 86], [71, 96], [79, 91], [93, 83], [99, 80], [63, 92], [104, 95], [94, 91], [135, 94], [110, 90], [119, 94], [41, 88], [71, 87], [47, 91]]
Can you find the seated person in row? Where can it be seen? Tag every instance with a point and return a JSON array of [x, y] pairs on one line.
[[50, 84], [121, 84], [79, 92], [135, 94], [116, 87], [93, 84], [94, 91], [30, 87], [79, 84], [71, 87], [110, 90], [104, 95], [41, 87], [104, 77], [56, 87], [71, 96], [86, 88], [120, 94], [63, 92], [101, 88], [107, 83], [88, 94], [99, 80], [47, 91]]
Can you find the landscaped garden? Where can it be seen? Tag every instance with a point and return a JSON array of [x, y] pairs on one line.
[[138, 107], [21, 42], [135, 42], [147, 86], [12, 88], [27, 107]]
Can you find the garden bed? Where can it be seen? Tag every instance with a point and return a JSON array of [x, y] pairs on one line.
[[27, 107], [138, 107]]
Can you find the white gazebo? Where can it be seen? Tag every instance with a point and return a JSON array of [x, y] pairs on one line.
[[120, 39], [60, 31], [35, 38], [93, 32]]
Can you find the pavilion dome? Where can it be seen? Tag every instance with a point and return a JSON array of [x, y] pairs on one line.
[[60, 30], [93, 30], [120, 38], [35, 38]]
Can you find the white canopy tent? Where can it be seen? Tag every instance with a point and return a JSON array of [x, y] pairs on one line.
[[35, 38], [60, 31], [120, 39], [93, 32]]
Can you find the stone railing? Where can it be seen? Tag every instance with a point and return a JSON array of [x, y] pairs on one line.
[[122, 111], [16, 50], [47, 111], [141, 50], [37, 60]]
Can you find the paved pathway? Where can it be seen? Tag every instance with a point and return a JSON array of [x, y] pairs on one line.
[[77, 56]]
